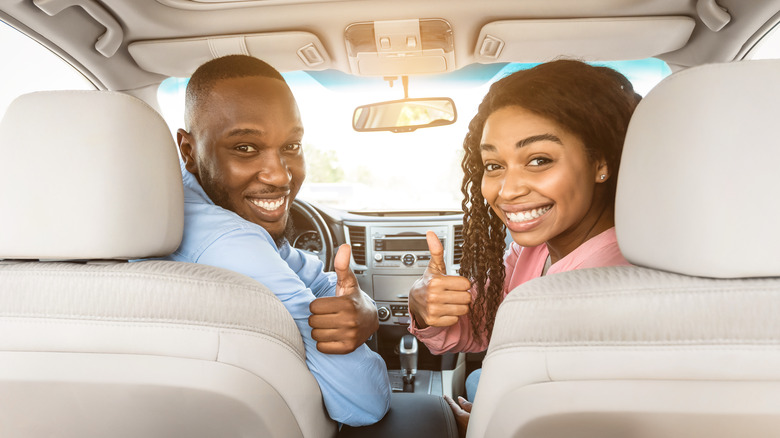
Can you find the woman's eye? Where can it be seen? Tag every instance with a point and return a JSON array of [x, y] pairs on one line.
[[245, 148], [539, 161], [490, 167]]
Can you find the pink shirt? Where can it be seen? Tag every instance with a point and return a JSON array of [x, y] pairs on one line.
[[522, 264]]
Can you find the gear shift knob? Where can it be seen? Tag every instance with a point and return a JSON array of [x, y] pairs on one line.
[[408, 351]]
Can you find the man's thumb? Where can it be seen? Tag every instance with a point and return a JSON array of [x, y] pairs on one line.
[[341, 266], [437, 253], [464, 404]]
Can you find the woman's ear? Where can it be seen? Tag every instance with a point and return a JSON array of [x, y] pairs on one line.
[[187, 151], [602, 172]]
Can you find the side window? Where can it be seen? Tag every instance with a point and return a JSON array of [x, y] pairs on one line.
[[28, 66], [768, 47]]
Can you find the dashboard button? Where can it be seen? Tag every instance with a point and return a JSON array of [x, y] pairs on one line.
[[378, 257], [409, 259]]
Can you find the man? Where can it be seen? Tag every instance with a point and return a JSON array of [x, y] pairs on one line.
[[242, 167]]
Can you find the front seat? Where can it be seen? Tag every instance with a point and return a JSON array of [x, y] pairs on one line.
[[94, 346], [687, 342]]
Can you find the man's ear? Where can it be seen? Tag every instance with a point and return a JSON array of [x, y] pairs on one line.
[[602, 171], [187, 150]]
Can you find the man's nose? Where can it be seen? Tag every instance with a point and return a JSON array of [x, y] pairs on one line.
[[275, 172]]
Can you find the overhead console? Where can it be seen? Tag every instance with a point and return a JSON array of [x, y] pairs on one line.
[[400, 47], [389, 256]]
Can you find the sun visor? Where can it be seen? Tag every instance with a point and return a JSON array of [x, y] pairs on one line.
[[589, 39], [286, 51]]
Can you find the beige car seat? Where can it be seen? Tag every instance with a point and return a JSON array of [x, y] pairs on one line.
[[94, 346], [687, 343]]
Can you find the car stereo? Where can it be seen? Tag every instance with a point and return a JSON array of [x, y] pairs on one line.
[[396, 250], [392, 257]]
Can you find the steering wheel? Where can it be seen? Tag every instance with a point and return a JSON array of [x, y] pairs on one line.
[[320, 228]]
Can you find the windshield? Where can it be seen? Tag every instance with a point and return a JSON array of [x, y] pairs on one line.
[[385, 171]]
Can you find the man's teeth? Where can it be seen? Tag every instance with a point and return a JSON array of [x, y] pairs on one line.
[[269, 205], [522, 216]]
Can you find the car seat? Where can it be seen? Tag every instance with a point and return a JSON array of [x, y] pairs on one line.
[[92, 345], [687, 342]]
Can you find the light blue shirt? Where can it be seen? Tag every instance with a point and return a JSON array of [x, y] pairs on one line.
[[355, 386]]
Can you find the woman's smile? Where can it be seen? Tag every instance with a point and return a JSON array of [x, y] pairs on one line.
[[526, 215], [520, 219]]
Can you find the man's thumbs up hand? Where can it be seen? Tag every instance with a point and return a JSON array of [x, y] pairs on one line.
[[438, 299], [346, 281], [342, 323]]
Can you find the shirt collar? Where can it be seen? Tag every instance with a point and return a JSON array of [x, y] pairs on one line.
[[193, 192]]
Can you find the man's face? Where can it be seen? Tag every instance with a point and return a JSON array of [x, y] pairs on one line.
[[244, 146]]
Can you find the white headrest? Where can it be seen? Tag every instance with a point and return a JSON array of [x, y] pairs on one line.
[[699, 186], [87, 175]]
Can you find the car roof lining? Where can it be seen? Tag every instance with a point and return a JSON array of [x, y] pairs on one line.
[[72, 33]]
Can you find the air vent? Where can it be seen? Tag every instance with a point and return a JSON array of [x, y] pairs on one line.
[[357, 238], [457, 252]]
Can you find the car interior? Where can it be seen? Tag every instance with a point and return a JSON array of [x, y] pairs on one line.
[[684, 343]]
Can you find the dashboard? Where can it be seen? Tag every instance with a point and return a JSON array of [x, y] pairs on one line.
[[310, 232], [389, 250], [389, 253]]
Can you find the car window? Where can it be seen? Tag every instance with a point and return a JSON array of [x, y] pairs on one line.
[[768, 47], [385, 171], [28, 67]]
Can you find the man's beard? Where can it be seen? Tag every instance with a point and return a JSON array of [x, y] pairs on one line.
[[221, 198], [289, 234]]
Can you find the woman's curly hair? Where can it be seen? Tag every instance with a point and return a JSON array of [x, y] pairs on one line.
[[593, 103]]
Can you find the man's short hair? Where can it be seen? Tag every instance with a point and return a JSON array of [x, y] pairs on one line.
[[226, 67]]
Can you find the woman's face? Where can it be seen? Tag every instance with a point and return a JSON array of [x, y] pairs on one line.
[[539, 180]]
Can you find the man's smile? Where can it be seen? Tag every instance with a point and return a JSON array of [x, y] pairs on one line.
[[269, 205]]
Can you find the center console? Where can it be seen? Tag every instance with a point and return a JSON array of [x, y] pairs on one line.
[[389, 256]]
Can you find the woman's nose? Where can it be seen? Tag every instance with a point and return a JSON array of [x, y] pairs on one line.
[[515, 184]]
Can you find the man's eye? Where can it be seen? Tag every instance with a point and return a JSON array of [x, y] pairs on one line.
[[293, 147], [245, 148]]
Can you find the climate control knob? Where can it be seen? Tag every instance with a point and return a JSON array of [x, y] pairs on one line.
[[408, 259], [383, 313], [378, 257]]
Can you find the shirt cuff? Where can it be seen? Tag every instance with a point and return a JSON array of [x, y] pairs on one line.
[[425, 333]]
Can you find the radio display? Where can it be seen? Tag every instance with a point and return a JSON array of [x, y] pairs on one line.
[[406, 245]]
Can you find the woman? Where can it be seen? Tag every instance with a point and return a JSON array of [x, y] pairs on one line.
[[541, 160]]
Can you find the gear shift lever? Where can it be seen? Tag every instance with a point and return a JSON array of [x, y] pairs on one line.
[[408, 351]]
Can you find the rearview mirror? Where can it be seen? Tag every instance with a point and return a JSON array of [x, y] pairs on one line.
[[405, 115]]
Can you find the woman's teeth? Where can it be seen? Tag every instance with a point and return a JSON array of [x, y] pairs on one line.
[[269, 205], [522, 216]]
